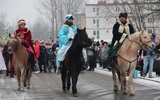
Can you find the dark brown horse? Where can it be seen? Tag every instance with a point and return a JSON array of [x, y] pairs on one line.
[[20, 61], [72, 65]]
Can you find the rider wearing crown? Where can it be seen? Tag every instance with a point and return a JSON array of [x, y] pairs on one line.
[[26, 39]]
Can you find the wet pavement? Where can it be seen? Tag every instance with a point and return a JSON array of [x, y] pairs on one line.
[[91, 86]]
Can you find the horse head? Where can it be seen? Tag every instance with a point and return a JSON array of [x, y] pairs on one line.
[[146, 42], [82, 39], [13, 43]]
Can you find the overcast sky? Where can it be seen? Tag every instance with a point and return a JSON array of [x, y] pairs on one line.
[[21, 9]]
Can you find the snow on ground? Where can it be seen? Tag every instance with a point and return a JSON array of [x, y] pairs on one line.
[[149, 82]]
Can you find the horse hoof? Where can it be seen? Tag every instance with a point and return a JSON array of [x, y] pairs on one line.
[[116, 90], [25, 85], [125, 93], [68, 88], [75, 95], [64, 91], [132, 94], [28, 87], [18, 89]]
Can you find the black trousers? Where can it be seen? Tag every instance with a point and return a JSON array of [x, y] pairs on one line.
[[7, 66], [91, 62], [104, 63], [42, 61]]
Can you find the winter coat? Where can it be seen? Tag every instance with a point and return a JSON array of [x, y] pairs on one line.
[[104, 53], [37, 50]]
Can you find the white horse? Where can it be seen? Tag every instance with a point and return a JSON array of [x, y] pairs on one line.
[[126, 59]]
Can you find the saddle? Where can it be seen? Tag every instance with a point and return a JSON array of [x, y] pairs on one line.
[[112, 52]]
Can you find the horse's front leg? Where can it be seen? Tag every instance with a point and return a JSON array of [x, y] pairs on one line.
[[130, 82], [18, 78], [22, 78], [29, 78], [114, 80], [74, 83], [68, 81], [123, 83], [63, 78]]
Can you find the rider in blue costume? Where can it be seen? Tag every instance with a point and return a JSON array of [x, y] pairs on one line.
[[64, 36]]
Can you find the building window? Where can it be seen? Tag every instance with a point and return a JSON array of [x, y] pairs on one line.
[[97, 32], [94, 32], [94, 9], [94, 21], [106, 19], [97, 11], [97, 21], [107, 31], [117, 9]]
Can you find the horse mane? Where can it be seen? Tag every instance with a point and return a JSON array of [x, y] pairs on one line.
[[127, 42]]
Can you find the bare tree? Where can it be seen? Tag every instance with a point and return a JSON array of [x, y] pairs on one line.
[[55, 10], [3, 23], [40, 29], [139, 11]]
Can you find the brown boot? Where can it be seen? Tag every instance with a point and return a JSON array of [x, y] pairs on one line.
[[144, 75]]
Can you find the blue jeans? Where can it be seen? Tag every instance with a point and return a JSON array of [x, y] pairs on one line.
[[148, 60]]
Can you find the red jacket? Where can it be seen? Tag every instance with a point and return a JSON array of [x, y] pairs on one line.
[[37, 50], [25, 35]]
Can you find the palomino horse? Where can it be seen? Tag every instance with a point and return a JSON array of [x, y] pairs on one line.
[[20, 61], [127, 59], [72, 65]]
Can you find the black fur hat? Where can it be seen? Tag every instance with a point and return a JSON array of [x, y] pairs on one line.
[[123, 15]]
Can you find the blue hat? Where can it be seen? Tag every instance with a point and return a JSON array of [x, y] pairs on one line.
[[69, 16]]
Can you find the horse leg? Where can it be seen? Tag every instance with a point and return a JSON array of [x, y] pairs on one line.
[[123, 83], [29, 78], [130, 82], [114, 80], [18, 78], [68, 82], [22, 78], [25, 78], [63, 77], [74, 82]]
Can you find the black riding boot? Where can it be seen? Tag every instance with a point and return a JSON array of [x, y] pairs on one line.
[[31, 60]]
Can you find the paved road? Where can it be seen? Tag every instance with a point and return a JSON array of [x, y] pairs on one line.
[[91, 86]]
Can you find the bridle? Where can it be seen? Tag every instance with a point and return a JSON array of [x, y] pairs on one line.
[[81, 42], [141, 43]]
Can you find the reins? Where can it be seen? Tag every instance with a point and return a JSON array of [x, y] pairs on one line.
[[130, 62], [81, 41]]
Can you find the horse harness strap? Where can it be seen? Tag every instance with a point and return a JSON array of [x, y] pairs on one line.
[[130, 62], [141, 42]]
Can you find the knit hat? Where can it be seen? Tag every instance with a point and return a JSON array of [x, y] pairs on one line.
[[69, 16], [20, 22]]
